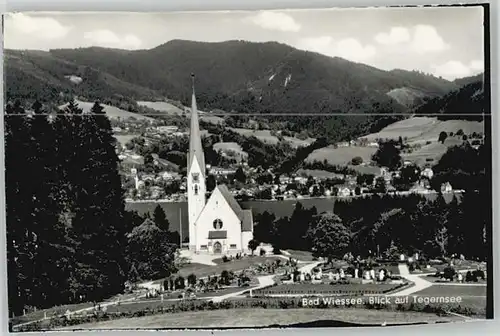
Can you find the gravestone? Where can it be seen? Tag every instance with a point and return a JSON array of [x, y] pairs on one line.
[[356, 271]]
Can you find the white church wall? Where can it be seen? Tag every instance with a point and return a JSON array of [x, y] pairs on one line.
[[196, 202], [218, 208], [246, 237]]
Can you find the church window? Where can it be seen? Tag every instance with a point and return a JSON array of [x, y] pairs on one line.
[[196, 190], [217, 224], [196, 177], [232, 246], [203, 247]]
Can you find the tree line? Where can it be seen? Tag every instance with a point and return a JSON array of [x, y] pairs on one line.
[[377, 224], [69, 238]]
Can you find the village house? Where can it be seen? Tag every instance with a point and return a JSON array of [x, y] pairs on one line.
[[167, 129], [344, 191], [427, 172], [218, 171], [446, 187]]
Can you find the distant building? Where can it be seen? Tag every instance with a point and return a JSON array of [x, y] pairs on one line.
[[167, 129], [427, 172], [446, 187], [222, 171], [344, 191]]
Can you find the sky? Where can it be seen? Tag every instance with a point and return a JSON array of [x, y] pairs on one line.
[[444, 41]]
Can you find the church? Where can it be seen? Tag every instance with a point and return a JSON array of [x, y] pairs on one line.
[[218, 225]]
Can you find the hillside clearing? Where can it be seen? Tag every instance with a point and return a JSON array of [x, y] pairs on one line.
[[230, 147], [266, 137], [160, 106], [422, 129], [341, 155], [111, 111]]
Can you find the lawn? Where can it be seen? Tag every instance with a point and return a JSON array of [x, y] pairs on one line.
[[201, 270], [341, 155], [424, 129], [111, 111], [251, 317], [58, 310], [265, 136], [300, 255], [309, 289], [453, 290], [319, 173], [164, 107], [230, 146], [432, 151], [473, 297]]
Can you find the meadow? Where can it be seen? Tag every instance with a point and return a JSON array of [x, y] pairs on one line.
[[422, 129], [111, 111], [164, 107], [266, 137]]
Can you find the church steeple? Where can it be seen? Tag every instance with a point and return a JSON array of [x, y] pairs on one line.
[[195, 146]]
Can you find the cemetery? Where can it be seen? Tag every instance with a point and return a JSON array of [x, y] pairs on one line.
[[337, 278]]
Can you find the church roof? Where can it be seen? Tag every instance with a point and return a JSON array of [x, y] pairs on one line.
[[247, 222], [245, 216], [195, 146]]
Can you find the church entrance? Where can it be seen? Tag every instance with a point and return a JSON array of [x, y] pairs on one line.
[[217, 248]]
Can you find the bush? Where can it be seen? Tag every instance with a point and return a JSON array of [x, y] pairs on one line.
[[225, 259], [449, 272], [357, 160]]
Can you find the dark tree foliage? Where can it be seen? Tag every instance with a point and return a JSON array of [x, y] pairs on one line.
[[160, 218], [388, 155], [66, 221], [463, 166]]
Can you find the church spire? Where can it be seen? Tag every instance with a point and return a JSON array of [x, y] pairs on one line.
[[195, 146]]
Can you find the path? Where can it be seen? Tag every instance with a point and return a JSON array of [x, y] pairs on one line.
[[419, 283], [264, 281]]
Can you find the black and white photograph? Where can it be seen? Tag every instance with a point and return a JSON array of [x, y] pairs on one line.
[[248, 169]]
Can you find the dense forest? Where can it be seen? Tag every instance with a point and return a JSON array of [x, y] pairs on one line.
[[69, 238], [234, 76]]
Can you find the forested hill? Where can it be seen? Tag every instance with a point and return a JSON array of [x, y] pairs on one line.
[[232, 75], [468, 103]]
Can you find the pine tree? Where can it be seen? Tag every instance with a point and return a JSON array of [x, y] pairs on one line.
[[160, 218]]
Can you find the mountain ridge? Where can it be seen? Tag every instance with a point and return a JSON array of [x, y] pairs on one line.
[[233, 76]]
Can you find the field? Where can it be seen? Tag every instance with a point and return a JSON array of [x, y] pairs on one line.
[[266, 137], [230, 146], [319, 173], [432, 152], [341, 155], [111, 111], [267, 318], [164, 107], [422, 129]]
